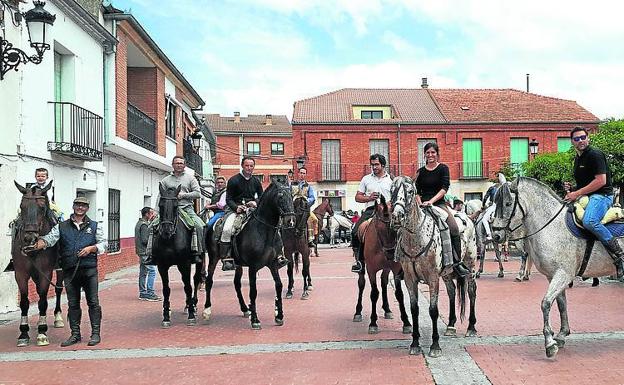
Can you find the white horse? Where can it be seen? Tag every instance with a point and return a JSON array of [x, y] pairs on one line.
[[556, 252], [337, 221]]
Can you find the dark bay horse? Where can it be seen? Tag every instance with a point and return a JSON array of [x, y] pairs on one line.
[[172, 246], [324, 208], [255, 248], [32, 223], [296, 245], [379, 241]]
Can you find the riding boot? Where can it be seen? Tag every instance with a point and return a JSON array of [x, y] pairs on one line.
[[357, 266], [226, 259], [616, 252], [458, 264], [95, 316], [74, 316]]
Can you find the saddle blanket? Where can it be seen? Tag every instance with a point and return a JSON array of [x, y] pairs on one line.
[[184, 217], [615, 228], [612, 215]]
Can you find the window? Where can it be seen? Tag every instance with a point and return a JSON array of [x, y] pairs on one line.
[[382, 147], [472, 167], [519, 153], [114, 199], [330, 167], [473, 195], [420, 143], [563, 143], [277, 148], [253, 148], [260, 177], [371, 115], [170, 121]]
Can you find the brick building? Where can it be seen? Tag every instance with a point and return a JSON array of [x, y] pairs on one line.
[[268, 138], [476, 129]]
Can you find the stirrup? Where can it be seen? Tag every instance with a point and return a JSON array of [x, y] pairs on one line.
[[281, 261], [228, 264], [357, 267]]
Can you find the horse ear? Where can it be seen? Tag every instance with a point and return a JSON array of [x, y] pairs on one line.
[[46, 188], [514, 185], [21, 188], [161, 188]]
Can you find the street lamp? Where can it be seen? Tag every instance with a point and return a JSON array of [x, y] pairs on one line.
[[533, 147], [38, 21], [196, 139], [300, 162]]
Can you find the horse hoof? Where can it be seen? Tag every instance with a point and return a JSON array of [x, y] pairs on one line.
[[471, 333], [305, 295], [518, 279], [526, 278], [415, 350], [207, 313], [279, 321], [407, 330], [435, 353], [288, 295], [560, 342], [310, 287], [256, 326], [477, 275], [42, 340], [191, 322], [357, 318], [246, 313], [388, 315], [166, 324], [373, 330], [23, 342], [552, 349], [59, 324], [451, 331], [501, 274]]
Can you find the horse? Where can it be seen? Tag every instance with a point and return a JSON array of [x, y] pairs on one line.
[[556, 252], [38, 265], [296, 244], [337, 224], [420, 254], [378, 241], [324, 208], [473, 209], [255, 247], [172, 246]]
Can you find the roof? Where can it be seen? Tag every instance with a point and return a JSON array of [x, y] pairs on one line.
[[255, 124], [408, 105], [506, 105]]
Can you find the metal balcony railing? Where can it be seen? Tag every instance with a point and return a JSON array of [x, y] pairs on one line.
[[141, 129], [78, 132], [392, 169], [331, 172], [473, 170]]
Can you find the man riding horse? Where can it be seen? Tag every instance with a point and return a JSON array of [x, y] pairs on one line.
[[242, 193], [302, 188], [593, 178]]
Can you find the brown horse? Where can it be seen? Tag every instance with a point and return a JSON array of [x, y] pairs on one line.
[[378, 240], [32, 223], [324, 208], [296, 244]]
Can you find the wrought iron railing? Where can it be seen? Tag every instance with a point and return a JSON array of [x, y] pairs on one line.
[[392, 169], [78, 132], [193, 160], [331, 172], [473, 170], [141, 129]]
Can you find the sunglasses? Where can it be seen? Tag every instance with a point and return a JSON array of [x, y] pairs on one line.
[[579, 138]]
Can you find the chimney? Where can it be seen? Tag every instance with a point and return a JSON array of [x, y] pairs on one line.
[[269, 120], [236, 117], [527, 76], [424, 83]]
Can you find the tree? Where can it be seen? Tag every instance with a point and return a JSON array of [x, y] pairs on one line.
[[610, 139], [552, 169]]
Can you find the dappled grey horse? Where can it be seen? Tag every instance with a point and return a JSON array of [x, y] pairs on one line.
[[473, 207], [555, 251]]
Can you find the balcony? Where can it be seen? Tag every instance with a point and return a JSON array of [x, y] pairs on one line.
[[193, 160], [141, 129], [78, 133], [331, 172], [473, 170], [392, 169]]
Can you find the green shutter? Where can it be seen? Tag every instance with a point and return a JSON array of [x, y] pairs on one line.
[[519, 153], [58, 97], [472, 167], [563, 144]]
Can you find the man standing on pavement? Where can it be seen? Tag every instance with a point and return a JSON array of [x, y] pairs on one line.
[[593, 178], [304, 189], [372, 186], [81, 240], [147, 273]]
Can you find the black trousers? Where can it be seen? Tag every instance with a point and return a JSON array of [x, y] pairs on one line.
[[85, 279]]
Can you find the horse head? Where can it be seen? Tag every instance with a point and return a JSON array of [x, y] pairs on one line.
[[385, 232], [277, 198], [504, 219], [33, 207], [402, 193], [168, 209]]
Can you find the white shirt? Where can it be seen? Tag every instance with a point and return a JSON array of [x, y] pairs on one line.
[[370, 184]]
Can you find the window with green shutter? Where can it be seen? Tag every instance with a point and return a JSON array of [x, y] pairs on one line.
[[563, 144], [472, 167], [58, 97], [519, 153]]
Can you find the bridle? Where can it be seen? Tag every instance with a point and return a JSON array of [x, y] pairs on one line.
[[386, 222], [425, 248], [174, 221]]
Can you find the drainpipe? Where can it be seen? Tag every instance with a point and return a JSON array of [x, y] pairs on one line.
[[399, 148]]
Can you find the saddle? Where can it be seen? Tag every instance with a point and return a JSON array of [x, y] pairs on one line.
[[182, 215], [239, 223]]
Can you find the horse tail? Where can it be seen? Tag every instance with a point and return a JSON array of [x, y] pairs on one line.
[[461, 297], [296, 261]]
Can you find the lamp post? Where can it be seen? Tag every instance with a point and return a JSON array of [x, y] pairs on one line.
[[533, 147], [196, 139], [38, 22]]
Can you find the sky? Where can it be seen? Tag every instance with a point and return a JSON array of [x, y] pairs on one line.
[[260, 56]]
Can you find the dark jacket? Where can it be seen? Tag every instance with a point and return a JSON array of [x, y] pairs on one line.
[[73, 240], [240, 189], [141, 233]]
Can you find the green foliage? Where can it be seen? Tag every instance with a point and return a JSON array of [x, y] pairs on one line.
[[552, 169], [610, 139], [509, 170]]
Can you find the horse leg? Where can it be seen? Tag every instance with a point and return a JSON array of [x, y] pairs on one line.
[[385, 304], [501, 271], [198, 278], [557, 285], [58, 290], [212, 264], [22, 283], [481, 252], [238, 275], [291, 280], [374, 296], [472, 318], [529, 265], [398, 294], [253, 294], [521, 271], [164, 277], [564, 330], [279, 311], [185, 273], [305, 273], [451, 330], [412, 288], [357, 317], [434, 350], [43, 285]]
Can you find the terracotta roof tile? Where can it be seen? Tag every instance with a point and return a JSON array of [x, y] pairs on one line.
[[248, 124]]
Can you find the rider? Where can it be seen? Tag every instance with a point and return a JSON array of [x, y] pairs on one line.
[[242, 193], [217, 205], [372, 186], [489, 210], [304, 189], [593, 178], [432, 182]]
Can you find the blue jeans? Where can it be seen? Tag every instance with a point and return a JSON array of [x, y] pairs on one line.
[[594, 212], [147, 275], [215, 217]]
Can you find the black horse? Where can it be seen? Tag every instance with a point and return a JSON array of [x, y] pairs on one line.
[[172, 246], [295, 245], [255, 247], [34, 222]]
